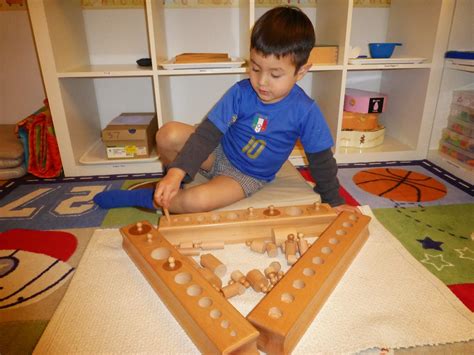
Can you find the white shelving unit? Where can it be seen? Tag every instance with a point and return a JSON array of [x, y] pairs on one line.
[[455, 77], [88, 59]]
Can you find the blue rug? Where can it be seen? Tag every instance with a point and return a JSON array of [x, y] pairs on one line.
[[64, 203]]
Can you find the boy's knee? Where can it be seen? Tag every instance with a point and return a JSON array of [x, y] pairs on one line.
[[168, 136]]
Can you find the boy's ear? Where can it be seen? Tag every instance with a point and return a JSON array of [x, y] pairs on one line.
[[303, 70]]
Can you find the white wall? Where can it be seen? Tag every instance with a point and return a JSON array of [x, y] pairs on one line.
[[21, 86]]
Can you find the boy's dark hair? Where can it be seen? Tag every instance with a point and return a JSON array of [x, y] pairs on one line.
[[282, 31]]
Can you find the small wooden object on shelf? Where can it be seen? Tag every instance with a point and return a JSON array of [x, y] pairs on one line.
[[324, 55], [202, 58]]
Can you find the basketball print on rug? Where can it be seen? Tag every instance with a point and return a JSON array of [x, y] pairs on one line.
[[400, 185]]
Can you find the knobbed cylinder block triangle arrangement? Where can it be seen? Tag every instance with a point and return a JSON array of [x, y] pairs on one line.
[[280, 319]]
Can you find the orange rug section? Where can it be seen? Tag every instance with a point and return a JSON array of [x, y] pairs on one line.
[[400, 185]]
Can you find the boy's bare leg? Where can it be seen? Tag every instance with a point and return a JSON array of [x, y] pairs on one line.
[[218, 192]]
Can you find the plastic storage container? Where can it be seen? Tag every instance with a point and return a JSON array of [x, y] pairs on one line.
[[462, 113], [464, 157], [458, 140], [461, 127], [464, 98]]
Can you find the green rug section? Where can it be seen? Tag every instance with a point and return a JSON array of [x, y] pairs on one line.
[[20, 337], [451, 225], [119, 217]]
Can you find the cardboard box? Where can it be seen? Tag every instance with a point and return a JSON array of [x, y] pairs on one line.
[[323, 55], [130, 136], [363, 101]]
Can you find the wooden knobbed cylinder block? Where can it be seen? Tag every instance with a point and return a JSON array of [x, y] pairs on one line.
[[210, 262], [257, 280], [233, 289]]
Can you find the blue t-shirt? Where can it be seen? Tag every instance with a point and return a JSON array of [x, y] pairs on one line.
[[258, 138]]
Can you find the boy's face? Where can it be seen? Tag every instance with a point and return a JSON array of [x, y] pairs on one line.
[[273, 78]]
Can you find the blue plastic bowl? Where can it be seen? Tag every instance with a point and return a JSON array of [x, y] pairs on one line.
[[382, 50]]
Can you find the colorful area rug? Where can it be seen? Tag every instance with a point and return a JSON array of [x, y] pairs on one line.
[[45, 225], [67, 203], [430, 211]]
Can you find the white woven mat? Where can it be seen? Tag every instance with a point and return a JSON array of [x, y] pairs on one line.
[[385, 299]]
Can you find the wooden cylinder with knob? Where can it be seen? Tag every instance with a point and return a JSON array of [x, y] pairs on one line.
[[210, 262], [257, 280]]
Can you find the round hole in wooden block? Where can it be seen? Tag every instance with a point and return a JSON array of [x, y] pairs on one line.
[[225, 324], [318, 260], [215, 313], [200, 218], [205, 302], [175, 220], [232, 216], [287, 297], [271, 212], [347, 224], [341, 232], [233, 333], [326, 250], [333, 241], [275, 313], [299, 284], [353, 217], [139, 229], [294, 211], [215, 218], [308, 271], [183, 278], [160, 253], [194, 290]]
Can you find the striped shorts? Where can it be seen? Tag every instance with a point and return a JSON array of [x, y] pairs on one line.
[[222, 166]]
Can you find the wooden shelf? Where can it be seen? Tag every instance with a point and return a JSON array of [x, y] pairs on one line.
[[109, 70], [204, 71], [71, 47], [96, 155], [387, 66], [460, 67], [391, 149]]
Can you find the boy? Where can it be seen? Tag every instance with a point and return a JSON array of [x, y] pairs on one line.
[[251, 131]]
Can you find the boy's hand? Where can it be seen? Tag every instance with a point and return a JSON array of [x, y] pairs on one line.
[[168, 187], [347, 208]]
